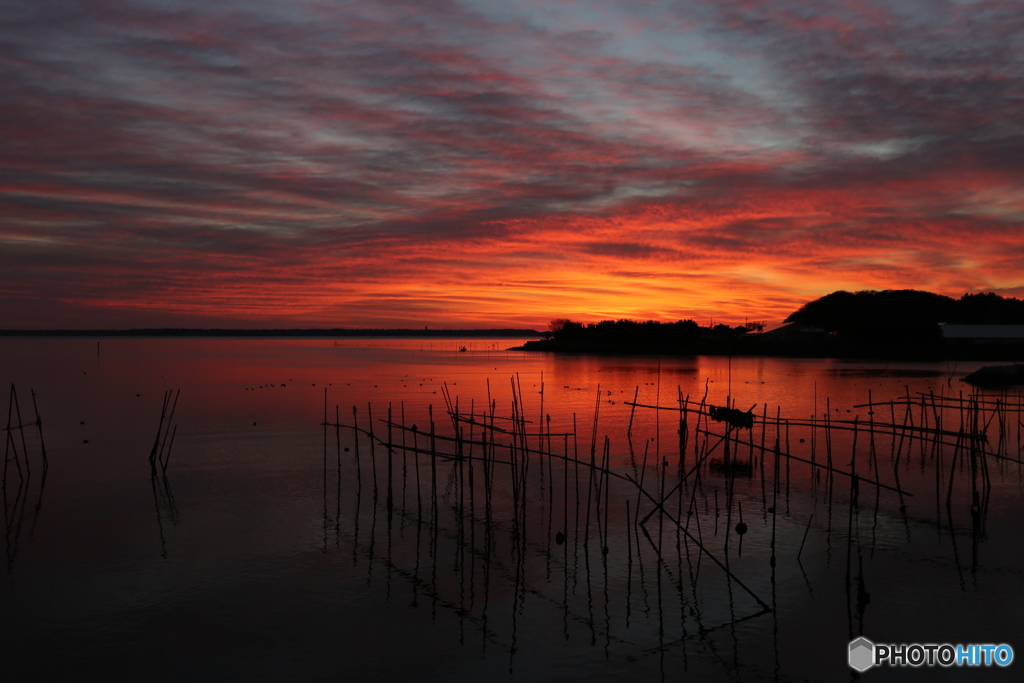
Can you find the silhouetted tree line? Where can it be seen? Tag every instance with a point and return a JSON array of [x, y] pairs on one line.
[[907, 315], [648, 332]]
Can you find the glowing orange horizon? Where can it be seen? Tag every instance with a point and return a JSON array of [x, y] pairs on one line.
[[716, 160]]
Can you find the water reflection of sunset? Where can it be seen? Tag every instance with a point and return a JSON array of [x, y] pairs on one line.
[[275, 526]]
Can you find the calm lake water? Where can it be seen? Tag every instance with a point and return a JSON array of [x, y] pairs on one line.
[[267, 550]]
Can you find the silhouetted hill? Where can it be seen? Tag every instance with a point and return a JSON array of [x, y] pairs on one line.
[[840, 310], [988, 308], [905, 314]]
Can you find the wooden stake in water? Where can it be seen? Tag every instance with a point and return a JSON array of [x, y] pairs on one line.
[[373, 450]]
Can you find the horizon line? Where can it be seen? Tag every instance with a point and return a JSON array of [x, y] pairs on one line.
[[274, 331]]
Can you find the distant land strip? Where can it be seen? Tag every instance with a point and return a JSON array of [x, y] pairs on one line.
[[305, 332]]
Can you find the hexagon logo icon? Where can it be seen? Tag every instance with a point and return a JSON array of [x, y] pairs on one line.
[[862, 654]]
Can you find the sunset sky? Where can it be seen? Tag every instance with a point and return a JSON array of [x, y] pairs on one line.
[[501, 163]]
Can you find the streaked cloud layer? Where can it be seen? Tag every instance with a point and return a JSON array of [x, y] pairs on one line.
[[501, 163]]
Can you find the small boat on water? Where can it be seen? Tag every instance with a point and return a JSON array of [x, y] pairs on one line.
[[996, 376]]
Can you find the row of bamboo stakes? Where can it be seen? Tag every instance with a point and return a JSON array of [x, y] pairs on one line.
[[564, 497], [20, 462]]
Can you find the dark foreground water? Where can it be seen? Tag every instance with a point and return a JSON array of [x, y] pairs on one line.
[[267, 548]]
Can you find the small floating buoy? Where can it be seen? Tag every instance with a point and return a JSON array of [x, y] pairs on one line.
[[559, 538], [741, 528]]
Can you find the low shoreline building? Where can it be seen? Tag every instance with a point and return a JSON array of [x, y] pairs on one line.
[[982, 334]]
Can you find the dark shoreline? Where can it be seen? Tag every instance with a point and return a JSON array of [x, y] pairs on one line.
[[753, 347]]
